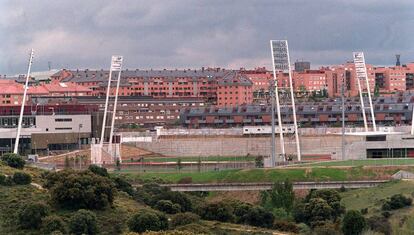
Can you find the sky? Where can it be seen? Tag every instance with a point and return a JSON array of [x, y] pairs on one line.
[[172, 34]]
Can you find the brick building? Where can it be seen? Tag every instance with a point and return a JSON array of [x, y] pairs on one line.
[[392, 110], [216, 86], [12, 92], [335, 74]]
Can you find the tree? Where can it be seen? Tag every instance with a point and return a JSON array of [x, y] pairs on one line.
[[219, 211], [280, 196], [258, 216], [118, 164], [98, 170], [123, 185], [199, 164], [175, 197], [258, 161], [30, 215], [2, 179], [80, 190], [67, 162], [83, 222], [318, 210], [353, 223], [376, 91], [179, 164], [397, 201], [13, 160], [53, 223], [168, 207], [147, 221], [332, 197], [22, 178]]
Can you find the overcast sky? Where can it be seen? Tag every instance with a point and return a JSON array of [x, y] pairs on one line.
[[190, 34]]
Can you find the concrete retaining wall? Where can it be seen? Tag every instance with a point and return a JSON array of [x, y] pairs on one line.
[[241, 146]]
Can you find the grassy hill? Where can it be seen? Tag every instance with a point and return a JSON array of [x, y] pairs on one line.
[[269, 175], [402, 220]]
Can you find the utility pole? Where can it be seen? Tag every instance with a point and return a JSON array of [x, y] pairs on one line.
[[26, 87], [79, 141], [343, 117], [412, 120], [273, 148]]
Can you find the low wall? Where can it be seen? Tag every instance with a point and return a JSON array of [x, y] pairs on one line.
[[241, 146]]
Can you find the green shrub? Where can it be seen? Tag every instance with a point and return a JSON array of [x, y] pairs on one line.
[[2, 179], [123, 185], [185, 180], [175, 197], [240, 212], [30, 215], [52, 224], [397, 201], [22, 178], [168, 207], [258, 216], [280, 196], [219, 211], [286, 226], [332, 197], [184, 218], [13, 160], [353, 223], [151, 193], [319, 206], [83, 222], [80, 190], [364, 211], [98, 170], [147, 221], [8, 181], [379, 224]]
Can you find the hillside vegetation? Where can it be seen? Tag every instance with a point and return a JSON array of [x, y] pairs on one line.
[[95, 202], [269, 175]]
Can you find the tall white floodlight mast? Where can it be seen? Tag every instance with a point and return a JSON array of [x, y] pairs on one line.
[[293, 105], [117, 66], [412, 121], [276, 66], [116, 63], [361, 74], [26, 87], [281, 62]]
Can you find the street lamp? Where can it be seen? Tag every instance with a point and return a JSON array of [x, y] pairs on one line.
[[79, 141]]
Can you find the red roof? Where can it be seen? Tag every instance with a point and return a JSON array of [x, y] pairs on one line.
[[66, 87], [12, 88]]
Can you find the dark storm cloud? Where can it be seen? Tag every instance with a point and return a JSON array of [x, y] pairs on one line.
[[169, 34]]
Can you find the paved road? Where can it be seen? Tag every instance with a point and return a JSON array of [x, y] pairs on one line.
[[268, 185]]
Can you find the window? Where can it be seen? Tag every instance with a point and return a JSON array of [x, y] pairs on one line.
[[63, 119], [376, 138], [63, 128]]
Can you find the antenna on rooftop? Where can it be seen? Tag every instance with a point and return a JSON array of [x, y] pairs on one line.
[[397, 63], [49, 65]]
